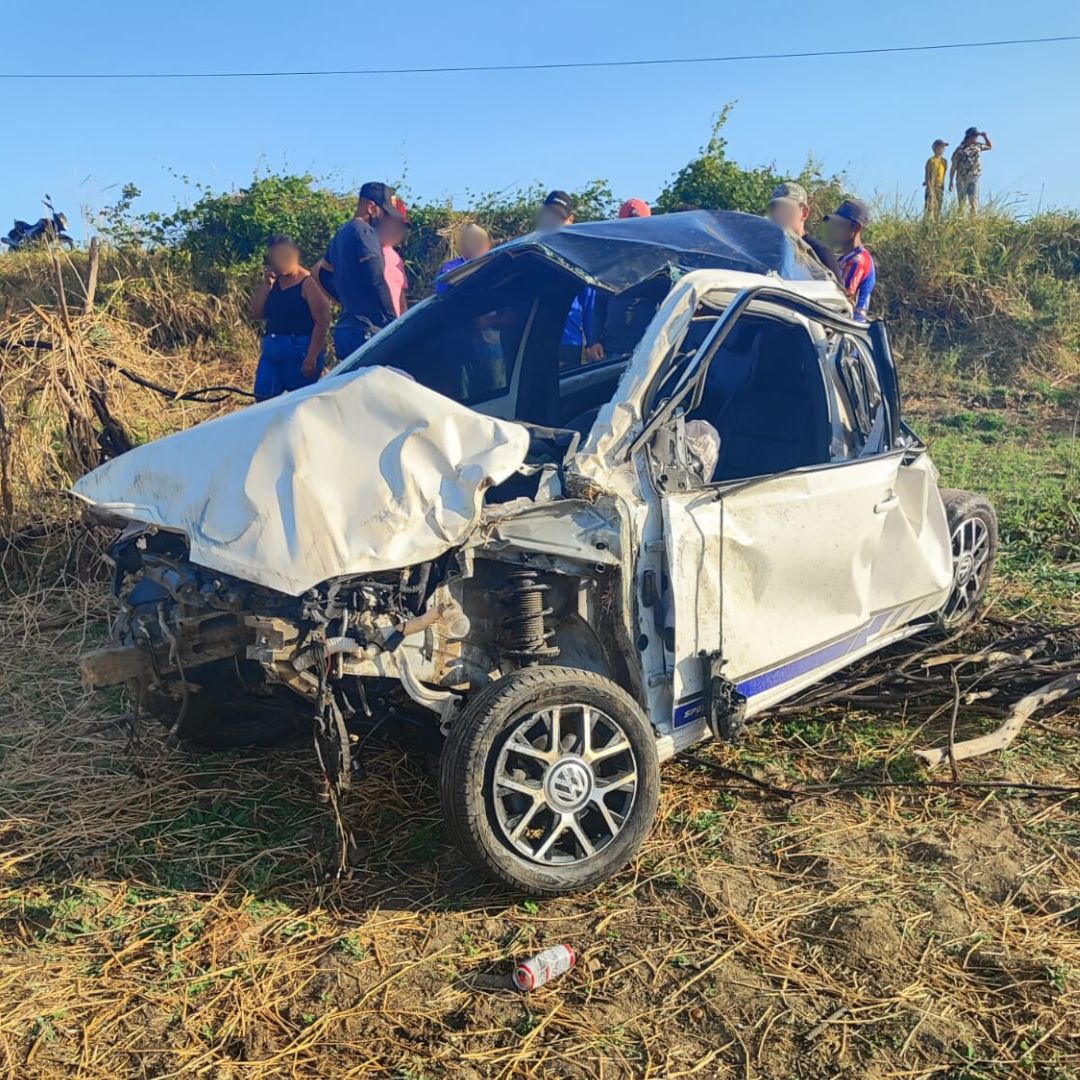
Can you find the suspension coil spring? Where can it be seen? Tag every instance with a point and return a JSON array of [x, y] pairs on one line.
[[524, 635]]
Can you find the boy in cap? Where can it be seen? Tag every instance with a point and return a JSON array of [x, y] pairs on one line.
[[789, 208], [858, 273], [555, 211], [934, 179], [967, 168], [353, 270]]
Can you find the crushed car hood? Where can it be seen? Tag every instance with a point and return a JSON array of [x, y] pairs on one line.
[[366, 472]]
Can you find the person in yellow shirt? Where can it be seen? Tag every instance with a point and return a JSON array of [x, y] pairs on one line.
[[934, 179]]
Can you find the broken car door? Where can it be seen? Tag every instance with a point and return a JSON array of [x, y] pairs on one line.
[[779, 562]]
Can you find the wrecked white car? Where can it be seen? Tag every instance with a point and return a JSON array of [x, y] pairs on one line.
[[551, 576]]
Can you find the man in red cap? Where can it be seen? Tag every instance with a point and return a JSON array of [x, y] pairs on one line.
[[635, 208]]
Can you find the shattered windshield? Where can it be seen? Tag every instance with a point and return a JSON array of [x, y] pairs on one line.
[[464, 346]]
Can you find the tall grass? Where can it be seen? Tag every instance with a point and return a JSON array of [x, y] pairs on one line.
[[60, 365], [989, 296]]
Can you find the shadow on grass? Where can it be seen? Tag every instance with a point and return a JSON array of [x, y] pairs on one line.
[[248, 824]]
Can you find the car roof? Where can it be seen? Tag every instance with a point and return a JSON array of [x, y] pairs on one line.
[[617, 255]]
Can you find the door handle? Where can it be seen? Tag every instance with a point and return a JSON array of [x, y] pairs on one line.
[[890, 502]]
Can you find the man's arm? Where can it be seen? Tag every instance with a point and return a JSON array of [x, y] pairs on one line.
[[928, 177], [986, 143], [952, 168], [591, 333], [319, 305]]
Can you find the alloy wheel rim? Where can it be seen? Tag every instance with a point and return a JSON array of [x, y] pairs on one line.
[[970, 556], [565, 783]]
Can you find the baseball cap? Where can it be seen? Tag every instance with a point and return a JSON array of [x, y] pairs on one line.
[[560, 202], [400, 210], [783, 203], [939, 142], [854, 210], [635, 208], [384, 197], [971, 132], [790, 190]]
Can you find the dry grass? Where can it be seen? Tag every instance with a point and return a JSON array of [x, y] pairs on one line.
[[49, 430], [164, 914]]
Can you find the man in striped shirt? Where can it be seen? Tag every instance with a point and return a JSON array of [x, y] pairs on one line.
[[858, 273]]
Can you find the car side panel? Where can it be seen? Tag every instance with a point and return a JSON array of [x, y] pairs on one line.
[[692, 601], [915, 564], [798, 554]]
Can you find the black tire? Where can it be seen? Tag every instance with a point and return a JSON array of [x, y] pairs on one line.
[[480, 740], [973, 533]]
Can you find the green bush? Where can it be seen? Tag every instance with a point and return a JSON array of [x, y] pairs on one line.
[[992, 295], [712, 181]]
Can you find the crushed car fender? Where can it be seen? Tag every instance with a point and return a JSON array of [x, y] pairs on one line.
[[356, 474]]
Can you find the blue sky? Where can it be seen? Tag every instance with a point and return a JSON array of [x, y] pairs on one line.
[[450, 134]]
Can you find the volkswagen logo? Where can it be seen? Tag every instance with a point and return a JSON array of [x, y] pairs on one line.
[[569, 784]]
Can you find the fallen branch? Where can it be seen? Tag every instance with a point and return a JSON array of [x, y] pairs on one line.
[[1000, 738]]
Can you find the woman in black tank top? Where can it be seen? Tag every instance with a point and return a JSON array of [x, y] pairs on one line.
[[297, 316]]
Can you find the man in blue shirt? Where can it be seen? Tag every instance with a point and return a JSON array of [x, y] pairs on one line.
[[577, 346], [352, 271]]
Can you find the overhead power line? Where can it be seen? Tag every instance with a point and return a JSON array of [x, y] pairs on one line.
[[552, 66]]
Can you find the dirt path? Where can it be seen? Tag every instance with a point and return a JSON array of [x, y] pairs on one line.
[[166, 919]]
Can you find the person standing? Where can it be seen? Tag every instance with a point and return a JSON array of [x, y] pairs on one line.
[[934, 179], [392, 232], [577, 346], [858, 275], [473, 242], [353, 271], [967, 168], [297, 317], [789, 207]]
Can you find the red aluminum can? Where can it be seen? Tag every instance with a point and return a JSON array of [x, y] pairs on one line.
[[544, 966]]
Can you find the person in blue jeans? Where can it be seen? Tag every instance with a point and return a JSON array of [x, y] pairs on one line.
[[297, 316]]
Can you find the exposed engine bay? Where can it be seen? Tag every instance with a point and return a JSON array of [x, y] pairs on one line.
[[221, 660]]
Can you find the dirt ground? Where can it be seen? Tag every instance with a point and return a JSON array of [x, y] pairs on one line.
[[162, 913]]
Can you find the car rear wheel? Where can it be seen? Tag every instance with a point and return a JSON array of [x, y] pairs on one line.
[[974, 538], [549, 779]]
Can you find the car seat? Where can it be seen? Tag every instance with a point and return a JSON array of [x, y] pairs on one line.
[[776, 420]]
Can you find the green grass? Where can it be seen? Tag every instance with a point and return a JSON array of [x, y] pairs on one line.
[[1027, 462]]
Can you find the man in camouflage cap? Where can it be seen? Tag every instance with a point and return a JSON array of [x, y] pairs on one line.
[[789, 208]]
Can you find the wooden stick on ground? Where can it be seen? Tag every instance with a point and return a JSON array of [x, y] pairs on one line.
[[1000, 738]]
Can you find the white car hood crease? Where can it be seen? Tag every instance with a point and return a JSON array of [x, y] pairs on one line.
[[359, 473]]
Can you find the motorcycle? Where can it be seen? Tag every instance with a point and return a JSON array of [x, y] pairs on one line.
[[24, 234]]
